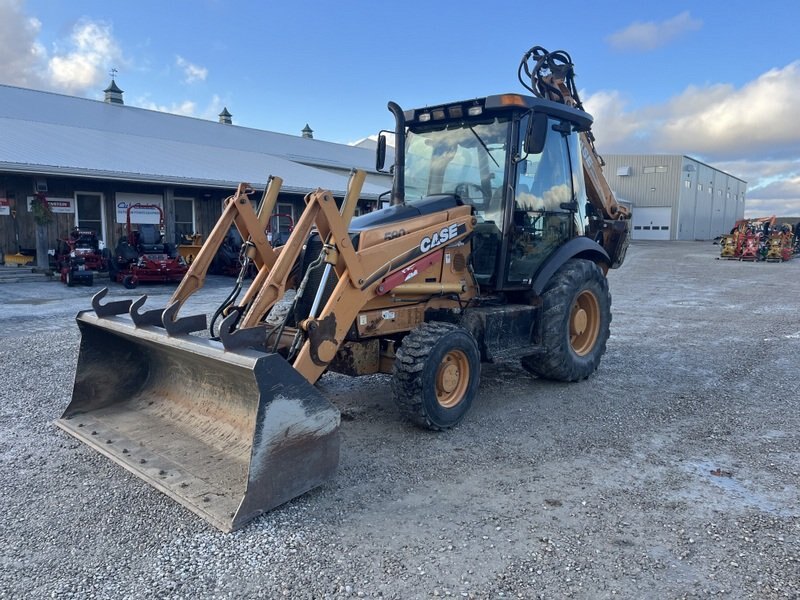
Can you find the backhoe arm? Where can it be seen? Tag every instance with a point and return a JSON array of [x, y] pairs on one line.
[[552, 76]]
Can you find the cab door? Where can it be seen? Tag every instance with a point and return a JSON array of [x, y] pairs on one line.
[[543, 210]]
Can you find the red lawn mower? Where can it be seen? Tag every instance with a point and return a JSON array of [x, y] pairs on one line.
[[142, 255], [78, 256]]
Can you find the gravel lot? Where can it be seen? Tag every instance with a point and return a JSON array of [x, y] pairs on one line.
[[672, 472]]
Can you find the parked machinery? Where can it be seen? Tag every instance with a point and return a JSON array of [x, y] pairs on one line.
[[729, 246], [781, 244], [189, 246], [747, 240], [142, 254], [79, 256], [487, 252]]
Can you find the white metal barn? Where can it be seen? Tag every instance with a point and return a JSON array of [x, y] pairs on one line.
[[675, 197]]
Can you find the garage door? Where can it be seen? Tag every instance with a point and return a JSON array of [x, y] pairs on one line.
[[651, 223]]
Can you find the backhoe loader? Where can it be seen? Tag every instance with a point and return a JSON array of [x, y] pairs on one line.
[[495, 245]]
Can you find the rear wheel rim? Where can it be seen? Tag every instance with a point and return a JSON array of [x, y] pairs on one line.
[[452, 378], [584, 323]]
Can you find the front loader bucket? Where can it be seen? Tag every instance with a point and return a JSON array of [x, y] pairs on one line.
[[228, 435]]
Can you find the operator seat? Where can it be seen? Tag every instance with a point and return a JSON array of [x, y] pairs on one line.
[[149, 239]]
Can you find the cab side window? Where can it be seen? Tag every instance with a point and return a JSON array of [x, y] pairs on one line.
[[543, 180]]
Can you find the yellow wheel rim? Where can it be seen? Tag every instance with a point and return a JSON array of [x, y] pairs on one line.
[[584, 323], [452, 378]]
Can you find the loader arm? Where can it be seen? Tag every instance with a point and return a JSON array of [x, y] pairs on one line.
[[359, 273], [269, 285], [237, 210]]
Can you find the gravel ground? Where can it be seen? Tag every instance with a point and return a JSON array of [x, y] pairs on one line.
[[672, 472]]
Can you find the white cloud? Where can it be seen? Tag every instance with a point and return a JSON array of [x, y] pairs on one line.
[[715, 122], [751, 132], [779, 196], [20, 53], [650, 35], [187, 108], [75, 65], [191, 71], [92, 51], [614, 127]]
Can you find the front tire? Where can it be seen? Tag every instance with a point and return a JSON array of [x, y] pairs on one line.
[[575, 321], [436, 375]]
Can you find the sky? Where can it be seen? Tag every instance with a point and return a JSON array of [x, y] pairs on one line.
[[717, 81]]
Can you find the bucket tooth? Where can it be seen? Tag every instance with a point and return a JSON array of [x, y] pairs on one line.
[[118, 307], [175, 326], [249, 337], [148, 317], [229, 435]]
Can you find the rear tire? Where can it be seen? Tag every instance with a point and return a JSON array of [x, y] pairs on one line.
[[576, 316], [68, 278], [436, 375], [129, 281]]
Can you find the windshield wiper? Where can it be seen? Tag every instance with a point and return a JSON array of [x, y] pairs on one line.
[[485, 147]]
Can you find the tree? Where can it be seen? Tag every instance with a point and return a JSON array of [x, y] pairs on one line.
[[43, 216]]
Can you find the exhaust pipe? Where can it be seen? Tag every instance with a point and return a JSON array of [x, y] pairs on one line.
[[399, 181]]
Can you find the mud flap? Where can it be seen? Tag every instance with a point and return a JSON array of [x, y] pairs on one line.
[[229, 435]]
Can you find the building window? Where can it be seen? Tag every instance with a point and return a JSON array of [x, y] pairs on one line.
[[699, 187], [649, 170], [710, 190], [719, 193], [184, 217], [687, 184], [728, 196], [661, 168], [655, 169], [89, 212]]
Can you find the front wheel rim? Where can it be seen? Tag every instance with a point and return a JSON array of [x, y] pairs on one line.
[[452, 378], [584, 323]]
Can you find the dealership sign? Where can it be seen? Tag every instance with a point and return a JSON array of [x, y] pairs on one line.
[[140, 213], [144, 208], [57, 205]]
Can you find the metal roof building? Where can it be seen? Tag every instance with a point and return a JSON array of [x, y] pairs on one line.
[[92, 157], [675, 197]]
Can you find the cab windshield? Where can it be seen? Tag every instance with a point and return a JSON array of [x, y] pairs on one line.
[[464, 158]]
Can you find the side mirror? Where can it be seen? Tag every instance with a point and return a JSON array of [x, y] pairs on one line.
[[380, 153], [536, 134]]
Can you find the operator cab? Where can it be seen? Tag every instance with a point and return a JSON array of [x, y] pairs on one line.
[[516, 160]]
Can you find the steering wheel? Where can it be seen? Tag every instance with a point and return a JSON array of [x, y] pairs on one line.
[[465, 191]]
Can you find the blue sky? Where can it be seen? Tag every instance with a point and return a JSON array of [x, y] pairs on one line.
[[715, 80]]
